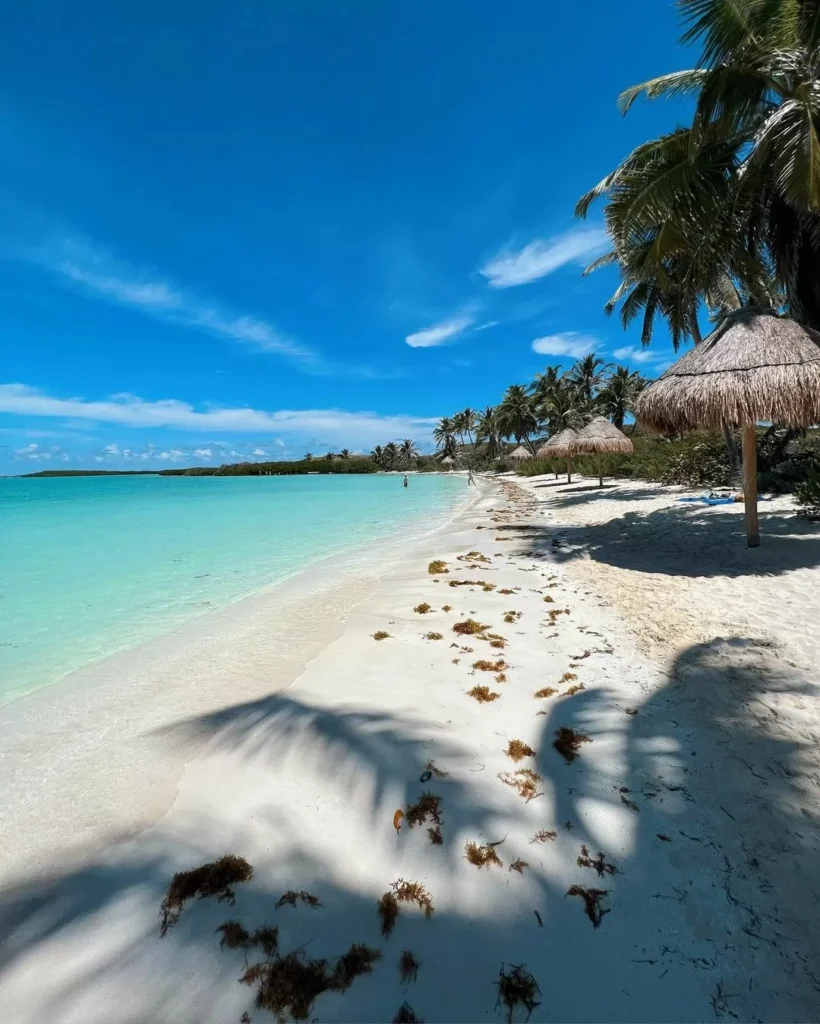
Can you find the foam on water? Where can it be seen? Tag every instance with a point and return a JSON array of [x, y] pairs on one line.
[[91, 565]]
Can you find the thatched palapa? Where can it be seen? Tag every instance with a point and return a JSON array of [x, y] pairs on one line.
[[601, 437], [558, 447], [755, 366], [520, 453]]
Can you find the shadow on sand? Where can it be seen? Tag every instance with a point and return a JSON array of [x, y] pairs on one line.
[[712, 910]]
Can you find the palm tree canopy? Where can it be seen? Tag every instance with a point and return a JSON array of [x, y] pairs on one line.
[[516, 414]]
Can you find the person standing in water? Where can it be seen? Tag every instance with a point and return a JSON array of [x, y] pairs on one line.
[[470, 477], [405, 479]]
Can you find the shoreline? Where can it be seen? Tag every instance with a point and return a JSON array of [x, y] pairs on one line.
[[104, 715], [712, 849]]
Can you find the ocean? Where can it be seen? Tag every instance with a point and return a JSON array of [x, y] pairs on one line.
[[93, 565]]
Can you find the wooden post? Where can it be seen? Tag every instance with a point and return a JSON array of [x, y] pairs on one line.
[[600, 471], [569, 470], [750, 484]]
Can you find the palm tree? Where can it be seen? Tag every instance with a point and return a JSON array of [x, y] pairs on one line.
[[330, 456], [308, 457], [617, 397], [487, 430], [344, 453], [755, 137], [445, 428], [585, 378], [377, 455], [464, 423], [516, 415], [391, 455], [407, 452], [545, 384], [564, 409]]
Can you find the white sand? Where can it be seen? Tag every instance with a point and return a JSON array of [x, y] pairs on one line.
[[718, 921]]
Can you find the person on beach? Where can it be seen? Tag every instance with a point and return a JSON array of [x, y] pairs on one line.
[[470, 477], [405, 479]]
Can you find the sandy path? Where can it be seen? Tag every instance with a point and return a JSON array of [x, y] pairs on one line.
[[710, 910]]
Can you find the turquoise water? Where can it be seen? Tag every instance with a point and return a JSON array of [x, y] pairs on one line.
[[91, 565]]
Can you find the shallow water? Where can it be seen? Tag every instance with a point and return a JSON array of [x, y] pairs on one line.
[[91, 565]]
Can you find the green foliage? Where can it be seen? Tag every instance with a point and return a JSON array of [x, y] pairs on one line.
[[807, 494]]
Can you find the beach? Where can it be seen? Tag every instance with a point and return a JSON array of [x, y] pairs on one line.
[[662, 868]]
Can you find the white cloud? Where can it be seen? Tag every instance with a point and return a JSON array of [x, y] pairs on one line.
[[202, 453], [637, 355], [98, 272], [111, 449], [259, 452], [568, 343], [543, 256], [490, 323], [439, 333], [336, 425]]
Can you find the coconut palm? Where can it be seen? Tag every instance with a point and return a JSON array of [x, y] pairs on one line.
[[308, 457], [344, 453], [756, 132], [562, 410], [617, 397], [391, 455], [516, 415], [330, 456], [585, 378], [545, 384], [487, 430], [377, 456], [407, 452], [444, 429], [464, 423]]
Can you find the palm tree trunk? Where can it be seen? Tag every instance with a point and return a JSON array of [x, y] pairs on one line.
[[726, 428]]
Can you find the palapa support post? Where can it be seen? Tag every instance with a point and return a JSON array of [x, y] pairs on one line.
[[600, 470], [569, 470], [750, 484]]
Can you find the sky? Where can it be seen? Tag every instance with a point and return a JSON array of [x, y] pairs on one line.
[[250, 230]]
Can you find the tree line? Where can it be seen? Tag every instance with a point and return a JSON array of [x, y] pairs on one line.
[[551, 402]]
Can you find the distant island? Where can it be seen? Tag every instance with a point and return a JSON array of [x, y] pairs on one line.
[[295, 468]]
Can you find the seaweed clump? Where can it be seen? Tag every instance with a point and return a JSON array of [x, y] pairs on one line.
[[518, 988], [598, 863], [438, 565], [482, 665], [214, 879], [483, 694], [406, 1015], [546, 691], [482, 856], [592, 902], [290, 898], [433, 636], [517, 749], [423, 608], [427, 806], [408, 967], [568, 743], [525, 781], [543, 836], [469, 628], [291, 983], [403, 892], [380, 635], [519, 865]]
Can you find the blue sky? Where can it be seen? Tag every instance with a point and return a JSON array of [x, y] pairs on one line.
[[272, 227]]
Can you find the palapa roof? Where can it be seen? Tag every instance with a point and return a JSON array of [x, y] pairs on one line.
[[558, 446], [520, 453], [447, 461], [755, 366], [601, 436]]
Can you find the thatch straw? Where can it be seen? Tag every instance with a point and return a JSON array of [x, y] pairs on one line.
[[755, 367], [520, 453], [601, 436], [558, 446], [447, 461]]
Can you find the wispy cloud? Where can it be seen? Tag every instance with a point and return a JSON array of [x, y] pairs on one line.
[[36, 453], [440, 333], [633, 354], [568, 343], [542, 256], [338, 425], [99, 272], [490, 323]]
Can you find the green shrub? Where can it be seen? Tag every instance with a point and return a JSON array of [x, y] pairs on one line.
[[807, 494]]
